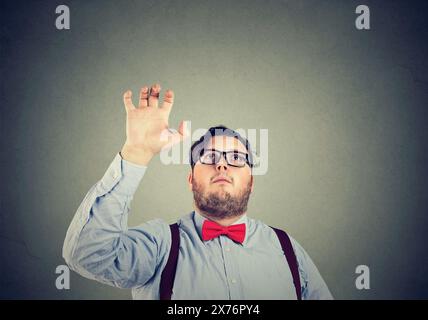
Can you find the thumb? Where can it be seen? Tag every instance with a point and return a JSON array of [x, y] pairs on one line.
[[174, 137], [183, 130], [180, 135]]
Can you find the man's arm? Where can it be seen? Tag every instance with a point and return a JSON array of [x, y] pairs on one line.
[[98, 244]]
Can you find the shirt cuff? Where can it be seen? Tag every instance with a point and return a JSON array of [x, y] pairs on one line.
[[122, 176]]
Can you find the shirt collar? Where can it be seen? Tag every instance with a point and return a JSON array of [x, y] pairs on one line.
[[199, 221]]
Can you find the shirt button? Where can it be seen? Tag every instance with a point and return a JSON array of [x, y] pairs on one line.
[[233, 280], [115, 174], [227, 249]]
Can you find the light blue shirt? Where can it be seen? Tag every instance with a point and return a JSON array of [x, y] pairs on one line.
[[99, 245]]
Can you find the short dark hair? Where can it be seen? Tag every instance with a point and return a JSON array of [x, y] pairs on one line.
[[220, 130]]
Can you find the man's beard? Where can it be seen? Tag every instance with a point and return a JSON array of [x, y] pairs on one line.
[[221, 204]]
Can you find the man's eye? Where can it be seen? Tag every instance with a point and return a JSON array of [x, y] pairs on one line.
[[209, 156], [238, 157]]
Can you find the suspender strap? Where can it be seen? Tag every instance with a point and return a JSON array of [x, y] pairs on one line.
[[168, 273], [291, 259]]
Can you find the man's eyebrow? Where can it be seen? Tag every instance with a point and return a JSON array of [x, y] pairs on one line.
[[234, 150]]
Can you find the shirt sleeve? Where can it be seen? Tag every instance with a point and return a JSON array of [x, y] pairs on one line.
[[100, 246], [311, 281]]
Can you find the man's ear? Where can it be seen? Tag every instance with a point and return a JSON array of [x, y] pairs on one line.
[[190, 179], [252, 183]]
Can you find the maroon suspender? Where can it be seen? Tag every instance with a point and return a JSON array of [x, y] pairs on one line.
[[168, 273], [291, 259]]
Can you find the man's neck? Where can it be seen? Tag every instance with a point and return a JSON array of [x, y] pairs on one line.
[[221, 221]]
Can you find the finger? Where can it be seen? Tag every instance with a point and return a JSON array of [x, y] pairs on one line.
[[144, 95], [154, 95], [168, 100], [127, 101]]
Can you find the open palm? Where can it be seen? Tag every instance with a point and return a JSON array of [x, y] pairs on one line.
[[147, 126]]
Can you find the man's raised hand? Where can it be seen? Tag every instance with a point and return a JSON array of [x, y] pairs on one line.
[[147, 130]]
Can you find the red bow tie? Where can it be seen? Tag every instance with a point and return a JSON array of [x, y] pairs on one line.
[[211, 230]]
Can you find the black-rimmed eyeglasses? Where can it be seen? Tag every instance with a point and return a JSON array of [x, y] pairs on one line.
[[233, 158]]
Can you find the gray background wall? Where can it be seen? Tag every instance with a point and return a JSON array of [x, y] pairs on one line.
[[345, 110]]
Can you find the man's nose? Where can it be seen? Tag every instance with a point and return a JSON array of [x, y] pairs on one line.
[[221, 164]]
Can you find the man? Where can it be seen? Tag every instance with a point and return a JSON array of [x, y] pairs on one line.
[[215, 252]]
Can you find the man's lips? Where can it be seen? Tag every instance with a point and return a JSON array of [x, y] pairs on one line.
[[221, 180]]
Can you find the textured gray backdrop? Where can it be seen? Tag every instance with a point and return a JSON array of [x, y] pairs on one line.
[[346, 112]]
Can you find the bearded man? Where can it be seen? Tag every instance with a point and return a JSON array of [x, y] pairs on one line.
[[214, 252]]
